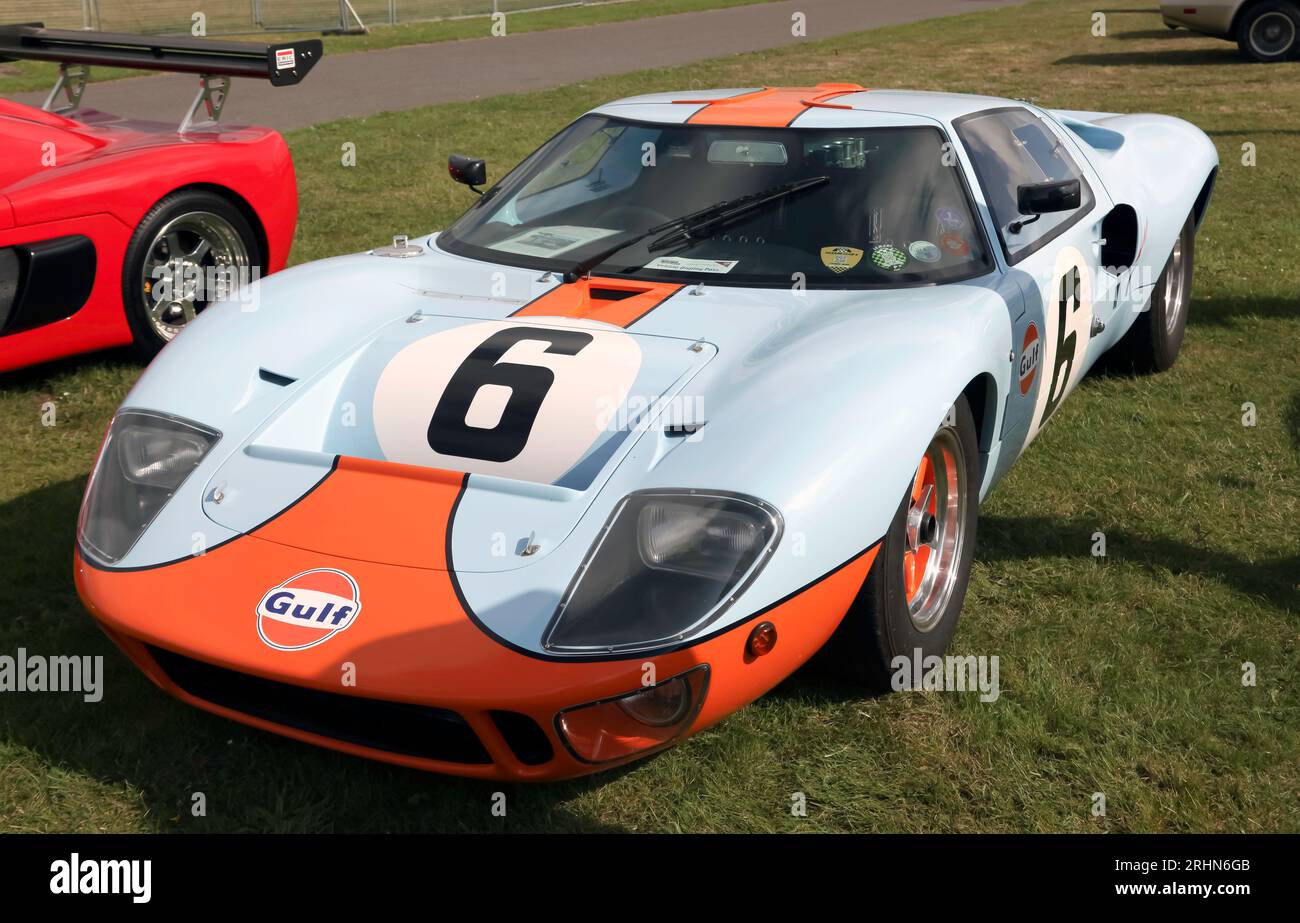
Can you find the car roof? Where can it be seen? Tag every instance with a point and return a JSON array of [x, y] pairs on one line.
[[823, 106]]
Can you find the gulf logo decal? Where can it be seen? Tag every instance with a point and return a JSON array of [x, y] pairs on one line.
[[307, 609], [1030, 352]]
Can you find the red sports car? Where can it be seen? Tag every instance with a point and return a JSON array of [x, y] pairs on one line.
[[96, 210]]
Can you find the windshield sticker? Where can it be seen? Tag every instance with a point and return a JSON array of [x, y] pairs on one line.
[[950, 220], [888, 257], [551, 241], [955, 244], [681, 264], [925, 251], [841, 259]]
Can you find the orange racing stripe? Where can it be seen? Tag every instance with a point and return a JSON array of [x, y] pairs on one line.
[[771, 107]]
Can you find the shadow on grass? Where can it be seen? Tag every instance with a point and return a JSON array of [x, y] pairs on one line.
[[1220, 312], [1178, 57], [1021, 538], [137, 736], [1162, 34], [1247, 132], [1293, 420], [35, 376]]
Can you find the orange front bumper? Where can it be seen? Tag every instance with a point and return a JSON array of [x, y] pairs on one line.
[[413, 642]]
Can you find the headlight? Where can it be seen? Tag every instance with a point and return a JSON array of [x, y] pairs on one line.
[[625, 725], [666, 563], [145, 459]]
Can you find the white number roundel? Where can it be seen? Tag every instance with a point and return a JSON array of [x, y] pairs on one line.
[[511, 398], [1067, 319]]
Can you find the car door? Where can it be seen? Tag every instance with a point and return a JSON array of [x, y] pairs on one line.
[[1053, 257]]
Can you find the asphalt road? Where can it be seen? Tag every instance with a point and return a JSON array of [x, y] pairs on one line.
[[364, 83]]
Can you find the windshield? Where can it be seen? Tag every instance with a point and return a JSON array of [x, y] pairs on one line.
[[892, 210]]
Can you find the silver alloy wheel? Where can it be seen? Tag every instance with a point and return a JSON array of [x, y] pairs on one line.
[[1272, 34], [935, 536], [1175, 287], [189, 255]]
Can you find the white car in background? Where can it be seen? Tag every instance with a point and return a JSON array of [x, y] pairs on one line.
[[1264, 30]]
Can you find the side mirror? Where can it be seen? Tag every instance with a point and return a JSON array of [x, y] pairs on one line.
[[469, 170], [1042, 198]]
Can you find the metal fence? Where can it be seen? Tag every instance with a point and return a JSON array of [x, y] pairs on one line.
[[226, 17]]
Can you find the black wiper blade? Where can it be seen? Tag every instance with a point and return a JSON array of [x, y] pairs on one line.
[[707, 218], [716, 216]]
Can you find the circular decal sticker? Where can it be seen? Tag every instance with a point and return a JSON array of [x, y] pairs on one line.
[[1029, 355], [888, 257], [954, 244], [840, 259], [1067, 322], [517, 399], [307, 609], [925, 251]]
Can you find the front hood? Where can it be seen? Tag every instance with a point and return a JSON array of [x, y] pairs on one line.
[[546, 415]]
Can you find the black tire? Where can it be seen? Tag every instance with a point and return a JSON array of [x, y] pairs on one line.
[[1269, 32], [879, 626], [187, 204], [1153, 342]]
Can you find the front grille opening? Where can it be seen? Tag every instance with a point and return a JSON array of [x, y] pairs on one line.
[[393, 727], [526, 740]]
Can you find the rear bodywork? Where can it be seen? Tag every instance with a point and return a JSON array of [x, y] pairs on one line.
[[809, 401], [75, 184], [1214, 17]]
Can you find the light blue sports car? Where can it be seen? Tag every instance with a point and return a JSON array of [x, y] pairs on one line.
[[708, 382]]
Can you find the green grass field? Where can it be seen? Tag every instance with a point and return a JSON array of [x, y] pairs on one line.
[[17, 76], [1120, 675]]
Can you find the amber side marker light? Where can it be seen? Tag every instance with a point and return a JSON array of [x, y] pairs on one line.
[[637, 721], [762, 639]]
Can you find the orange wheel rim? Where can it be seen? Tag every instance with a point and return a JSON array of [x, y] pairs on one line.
[[934, 529]]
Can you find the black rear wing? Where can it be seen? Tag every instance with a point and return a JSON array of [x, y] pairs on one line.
[[283, 64]]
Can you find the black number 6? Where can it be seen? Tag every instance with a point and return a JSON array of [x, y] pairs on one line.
[[449, 434], [1065, 345]]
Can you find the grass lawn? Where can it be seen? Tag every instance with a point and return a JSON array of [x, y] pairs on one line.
[[17, 76], [1120, 675]]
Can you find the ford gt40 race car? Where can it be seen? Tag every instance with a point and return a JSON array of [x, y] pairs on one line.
[[708, 383], [115, 231]]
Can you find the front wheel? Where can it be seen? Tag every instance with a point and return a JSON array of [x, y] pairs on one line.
[[190, 249], [913, 595], [1270, 32]]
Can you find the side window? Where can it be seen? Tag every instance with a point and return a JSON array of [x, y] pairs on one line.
[[1013, 146]]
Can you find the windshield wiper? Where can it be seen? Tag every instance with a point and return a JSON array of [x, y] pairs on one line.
[[689, 226]]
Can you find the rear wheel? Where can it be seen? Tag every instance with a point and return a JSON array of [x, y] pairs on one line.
[[175, 261], [1270, 32], [1153, 342], [913, 595]]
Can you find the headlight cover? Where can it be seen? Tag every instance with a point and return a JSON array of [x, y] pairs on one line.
[[666, 563], [635, 722], [145, 459]]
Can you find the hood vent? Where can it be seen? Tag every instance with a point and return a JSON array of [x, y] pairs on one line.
[[275, 378], [615, 294]]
